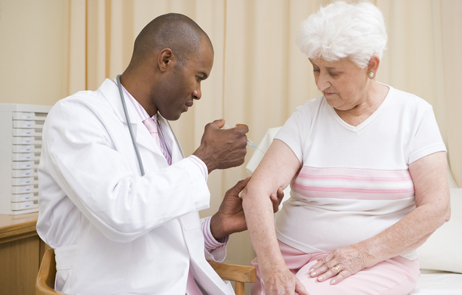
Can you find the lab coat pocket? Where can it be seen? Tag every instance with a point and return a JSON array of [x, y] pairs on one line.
[[190, 221], [65, 258], [63, 280]]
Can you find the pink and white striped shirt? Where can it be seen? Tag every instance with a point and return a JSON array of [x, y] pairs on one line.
[[211, 244], [354, 182]]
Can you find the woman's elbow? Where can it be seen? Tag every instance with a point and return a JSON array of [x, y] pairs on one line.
[[447, 214], [443, 213]]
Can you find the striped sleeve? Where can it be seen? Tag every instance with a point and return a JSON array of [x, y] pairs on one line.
[[211, 244], [199, 163]]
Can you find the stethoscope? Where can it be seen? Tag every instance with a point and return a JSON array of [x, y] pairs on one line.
[[140, 162]]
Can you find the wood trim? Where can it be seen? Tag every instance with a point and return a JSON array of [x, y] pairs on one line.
[[239, 289], [11, 238], [232, 272], [16, 227]]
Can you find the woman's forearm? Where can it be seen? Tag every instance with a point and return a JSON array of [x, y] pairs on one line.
[[407, 234], [429, 175], [260, 223], [276, 170]]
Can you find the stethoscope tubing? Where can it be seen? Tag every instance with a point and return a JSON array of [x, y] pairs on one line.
[[127, 117]]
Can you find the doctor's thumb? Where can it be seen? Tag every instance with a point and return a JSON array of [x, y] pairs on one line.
[[220, 123]]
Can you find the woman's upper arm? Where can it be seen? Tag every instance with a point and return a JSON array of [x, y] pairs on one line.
[[429, 175], [277, 168]]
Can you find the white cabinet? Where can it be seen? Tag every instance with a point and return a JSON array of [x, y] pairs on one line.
[[20, 145]]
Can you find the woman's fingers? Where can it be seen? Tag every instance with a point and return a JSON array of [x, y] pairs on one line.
[[323, 262], [334, 271], [340, 277], [338, 265], [283, 282], [322, 266], [299, 288]]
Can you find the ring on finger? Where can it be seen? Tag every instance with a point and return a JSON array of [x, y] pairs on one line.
[[337, 268]]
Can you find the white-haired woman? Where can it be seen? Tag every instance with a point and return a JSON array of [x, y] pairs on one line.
[[367, 169]]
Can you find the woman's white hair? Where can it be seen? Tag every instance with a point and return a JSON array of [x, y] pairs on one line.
[[341, 30]]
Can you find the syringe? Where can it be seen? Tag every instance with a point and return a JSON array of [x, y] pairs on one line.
[[249, 142]]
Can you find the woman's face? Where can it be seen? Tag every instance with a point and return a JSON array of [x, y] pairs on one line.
[[343, 84]]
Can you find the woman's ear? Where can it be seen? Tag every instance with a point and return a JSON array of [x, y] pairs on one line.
[[373, 64]]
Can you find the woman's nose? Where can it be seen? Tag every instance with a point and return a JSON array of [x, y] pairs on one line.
[[322, 82]]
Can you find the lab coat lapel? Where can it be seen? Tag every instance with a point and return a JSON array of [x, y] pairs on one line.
[[140, 132], [204, 274], [146, 140]]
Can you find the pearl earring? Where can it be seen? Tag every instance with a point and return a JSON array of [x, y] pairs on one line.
[[371, 75]]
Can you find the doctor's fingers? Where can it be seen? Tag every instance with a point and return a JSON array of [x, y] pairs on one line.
[[242, 128], [276, 200], [239, 186], [237, 135], [216, 124]]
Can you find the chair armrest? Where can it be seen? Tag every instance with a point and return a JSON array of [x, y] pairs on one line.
[[46, 275], [237, 273]]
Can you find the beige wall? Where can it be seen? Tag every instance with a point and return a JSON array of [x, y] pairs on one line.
[[33, 51]]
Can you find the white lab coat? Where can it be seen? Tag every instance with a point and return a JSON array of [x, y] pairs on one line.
[[113, 231]]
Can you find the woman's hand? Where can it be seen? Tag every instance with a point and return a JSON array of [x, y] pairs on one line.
[[282, 283], [342, 263]]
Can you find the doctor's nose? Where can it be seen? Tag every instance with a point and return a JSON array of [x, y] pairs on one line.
[[197, 93]]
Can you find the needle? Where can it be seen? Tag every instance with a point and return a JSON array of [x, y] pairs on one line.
[[249, 142]]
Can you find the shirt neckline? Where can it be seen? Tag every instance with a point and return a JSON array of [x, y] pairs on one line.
[[368, 120], [142, 113]]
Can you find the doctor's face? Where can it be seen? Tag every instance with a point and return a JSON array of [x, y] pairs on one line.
[[183, 84]]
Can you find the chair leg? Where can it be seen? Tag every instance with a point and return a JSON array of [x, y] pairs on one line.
[[240, 288]]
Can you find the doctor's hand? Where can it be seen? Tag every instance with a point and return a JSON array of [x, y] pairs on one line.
[[222, 148], [230, 217]]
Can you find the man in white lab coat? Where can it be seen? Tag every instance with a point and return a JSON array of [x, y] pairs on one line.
[[113, 230]]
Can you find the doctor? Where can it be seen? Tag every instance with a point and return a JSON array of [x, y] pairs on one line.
[[120, 225]]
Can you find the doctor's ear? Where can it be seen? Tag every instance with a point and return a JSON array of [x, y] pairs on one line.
[[165, 59]]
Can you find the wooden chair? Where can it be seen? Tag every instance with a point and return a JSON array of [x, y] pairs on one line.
[[45, 282]]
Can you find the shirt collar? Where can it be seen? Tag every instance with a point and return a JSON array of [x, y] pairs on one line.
[[138, 107]]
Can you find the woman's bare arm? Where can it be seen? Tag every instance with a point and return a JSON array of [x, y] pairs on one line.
[[433, 209], [277, 169], [429, 175]]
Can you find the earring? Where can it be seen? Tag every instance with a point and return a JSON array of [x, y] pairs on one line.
[[371, 75]]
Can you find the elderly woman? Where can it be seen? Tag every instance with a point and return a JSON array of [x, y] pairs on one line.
[[367, 170]]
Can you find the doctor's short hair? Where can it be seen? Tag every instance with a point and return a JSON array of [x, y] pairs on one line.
[[340, 30], [173, 30]]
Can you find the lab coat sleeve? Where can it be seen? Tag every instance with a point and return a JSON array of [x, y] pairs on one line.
[[80, 155]]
